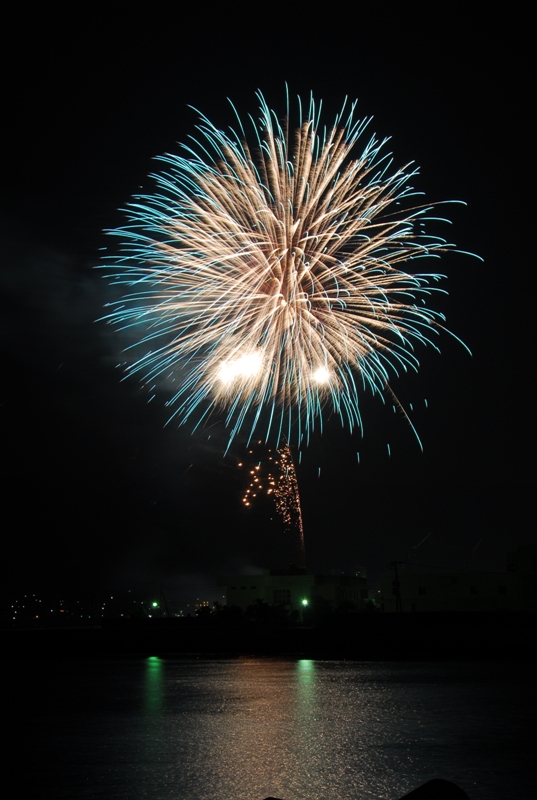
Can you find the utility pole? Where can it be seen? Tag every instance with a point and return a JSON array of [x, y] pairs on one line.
[[396, 586], [164, 600]]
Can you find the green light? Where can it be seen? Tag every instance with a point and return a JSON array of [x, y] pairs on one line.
[[155, 604], [304, 602]]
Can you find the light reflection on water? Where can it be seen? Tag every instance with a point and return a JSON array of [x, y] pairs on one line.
[[154, 684], [245, 729]]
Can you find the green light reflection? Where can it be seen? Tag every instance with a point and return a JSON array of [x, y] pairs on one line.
[[306, 684], [154, 684]]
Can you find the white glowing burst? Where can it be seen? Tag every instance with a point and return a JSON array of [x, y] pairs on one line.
[[241, 368]]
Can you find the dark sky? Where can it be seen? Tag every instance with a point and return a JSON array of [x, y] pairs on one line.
[[96, 489]]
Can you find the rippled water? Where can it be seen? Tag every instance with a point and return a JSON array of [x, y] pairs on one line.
[[245, 729]]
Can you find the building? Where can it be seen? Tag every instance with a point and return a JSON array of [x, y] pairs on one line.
[[512, 590], [293, 588]]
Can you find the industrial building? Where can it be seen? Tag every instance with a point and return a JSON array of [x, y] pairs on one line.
[[515, 589], [294, 588]]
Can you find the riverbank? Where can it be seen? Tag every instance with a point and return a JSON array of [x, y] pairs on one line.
[[355, 636]]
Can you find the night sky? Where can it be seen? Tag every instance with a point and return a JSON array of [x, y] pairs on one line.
[[97, 491]]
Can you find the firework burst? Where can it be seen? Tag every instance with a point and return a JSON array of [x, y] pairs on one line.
[[266, 279]]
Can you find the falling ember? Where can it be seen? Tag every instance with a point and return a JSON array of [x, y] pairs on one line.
[[279, 477], [287, 495]]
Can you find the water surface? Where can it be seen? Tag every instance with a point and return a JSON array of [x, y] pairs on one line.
[[244, 729]]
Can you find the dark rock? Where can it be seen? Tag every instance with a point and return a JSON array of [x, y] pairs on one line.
[[437, 789]]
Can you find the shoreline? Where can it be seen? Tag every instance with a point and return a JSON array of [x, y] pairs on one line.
[[359, 637]]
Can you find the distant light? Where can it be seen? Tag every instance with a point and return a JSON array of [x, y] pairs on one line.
[[304, 602]]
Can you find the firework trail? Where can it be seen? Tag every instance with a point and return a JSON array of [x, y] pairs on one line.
[[266, 278], [276, 475]]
